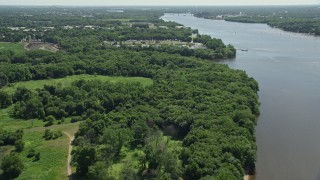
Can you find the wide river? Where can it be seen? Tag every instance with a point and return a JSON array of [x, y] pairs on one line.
[[287, 67]]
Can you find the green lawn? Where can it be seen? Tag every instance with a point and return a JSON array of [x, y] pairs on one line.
[[69, 79], [53, 156], [54, 153], [7, 122], [53, 162], [15, 47]]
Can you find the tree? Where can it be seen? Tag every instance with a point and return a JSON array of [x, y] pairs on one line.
[[114, 139], [128, 173], [3, 80], [140, 132], [50, 120], [228, 171], [37, 156], [11, 166], [57, 134], [47, 134], [5, 99], [159, 160], [34, 108], [22, 94], [99, 171], [31, 153], [84, 157], [9, 138], [170, 165], [19, 145], [29, 108]]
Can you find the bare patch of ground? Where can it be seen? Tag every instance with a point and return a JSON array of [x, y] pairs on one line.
[[41, 45], [69, 168], [249, 177]]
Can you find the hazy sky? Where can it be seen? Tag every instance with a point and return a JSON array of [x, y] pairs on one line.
[[157, 2]]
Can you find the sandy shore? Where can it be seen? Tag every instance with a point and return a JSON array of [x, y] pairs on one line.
[[249, 177]]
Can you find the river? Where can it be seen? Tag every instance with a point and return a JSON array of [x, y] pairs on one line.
[[287, 67]]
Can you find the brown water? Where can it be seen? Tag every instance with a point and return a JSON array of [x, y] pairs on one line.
[[287, 67]]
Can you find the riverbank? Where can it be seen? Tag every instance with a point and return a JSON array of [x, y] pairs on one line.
[[293, 20], [249, 177], [287, 67], [270, 24]]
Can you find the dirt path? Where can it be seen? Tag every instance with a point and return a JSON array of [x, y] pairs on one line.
[[69, 168]]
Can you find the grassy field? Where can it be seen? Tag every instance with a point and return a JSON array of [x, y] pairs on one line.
[[69, 79], [52, 164], [15, 47], [7, 122]]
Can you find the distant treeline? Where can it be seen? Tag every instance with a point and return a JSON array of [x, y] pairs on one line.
[[301, 19]]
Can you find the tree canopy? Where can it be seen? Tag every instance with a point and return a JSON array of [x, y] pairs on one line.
[[195, 121]]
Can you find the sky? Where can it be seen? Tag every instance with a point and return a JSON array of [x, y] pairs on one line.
[[157, 2]]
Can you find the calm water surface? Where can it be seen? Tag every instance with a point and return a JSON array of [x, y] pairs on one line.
[[287, 67]]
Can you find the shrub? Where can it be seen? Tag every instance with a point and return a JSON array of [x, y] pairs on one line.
[[37, 156], [11, 166], [31, 153], [76, 119], [47, 134], [56, 134], [19, 145], [50, 120]]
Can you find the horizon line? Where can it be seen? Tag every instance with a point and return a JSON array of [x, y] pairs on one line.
[[163, 5]]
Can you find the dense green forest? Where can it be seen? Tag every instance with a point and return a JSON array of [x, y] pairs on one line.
[[196, 120]]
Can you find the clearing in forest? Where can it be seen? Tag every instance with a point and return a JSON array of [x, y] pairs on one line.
[[55, 154], [66, 81], [15, 47]]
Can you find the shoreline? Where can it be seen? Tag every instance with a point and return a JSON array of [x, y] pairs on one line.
[[266, 23], [249, 177]]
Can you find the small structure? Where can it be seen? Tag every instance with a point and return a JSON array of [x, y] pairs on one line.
[[163, 27], [179, 27], [219, 17]]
